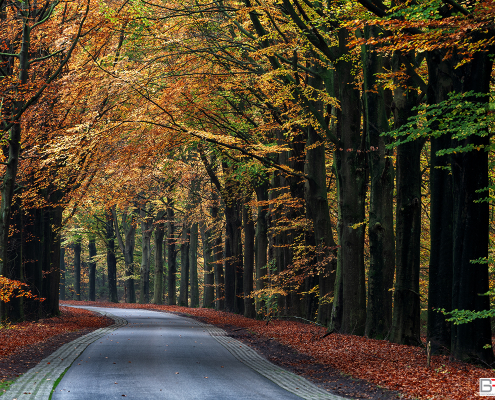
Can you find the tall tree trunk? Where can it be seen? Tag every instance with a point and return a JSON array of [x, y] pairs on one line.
[[146, 231], [32, 251], [381, 214], [239, 267], [77, 268], [352, 180], [127, 248], [261, 239], [51, 282], [232, 240], [209, 279], [184, 266], [471, 223], [171, 256], [193, 264], [440, 84], [159, 234], [217, 249], [406, 313], [130, 240], [111, 259], [222, 276], [317, 211], [248, 281], [62, 273], [6, 310], [9, 178], [92, 269], [13, 310]]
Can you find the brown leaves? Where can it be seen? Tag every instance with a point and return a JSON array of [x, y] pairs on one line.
[[13, 338]]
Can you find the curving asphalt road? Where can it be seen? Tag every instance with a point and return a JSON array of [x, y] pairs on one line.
[[159, 355]]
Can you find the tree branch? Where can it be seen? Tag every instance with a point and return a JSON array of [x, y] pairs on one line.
[[457, 7]]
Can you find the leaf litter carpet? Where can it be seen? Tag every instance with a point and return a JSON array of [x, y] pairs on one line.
[[349, 366]]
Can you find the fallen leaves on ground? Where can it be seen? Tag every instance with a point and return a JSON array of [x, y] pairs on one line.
[[396, 367], [16, 336]]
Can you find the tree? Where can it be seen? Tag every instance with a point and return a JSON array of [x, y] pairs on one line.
[[29, 64], [92, 268], [127, 248], [159, 244], [111, 259]]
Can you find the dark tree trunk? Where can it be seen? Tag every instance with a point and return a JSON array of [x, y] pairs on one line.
[[12, 149], [159, 234], [111, 259], [406, 313], [13, 264], [440, 84], [261, 239], [232, 246], [51, 250], [239, 268], [130, 239], [92, 269], [470, 232], [352, 180], [318, 213], [184, 266], [62, 273], [171, 256], [146, 231], [193, 264], [471, 223], [217, 249], [381, 214], [127, 248], [248, 281], [221, 274], [13, 310], [209, 279], [51, 284], [77, 268], [32, 255]]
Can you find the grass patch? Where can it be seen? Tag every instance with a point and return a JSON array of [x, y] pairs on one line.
[[5, 385], [58, 381]]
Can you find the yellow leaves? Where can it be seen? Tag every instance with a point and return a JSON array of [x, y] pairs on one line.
[[358, 225]]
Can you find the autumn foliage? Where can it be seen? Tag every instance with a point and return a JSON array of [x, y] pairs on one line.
[[10, 288]]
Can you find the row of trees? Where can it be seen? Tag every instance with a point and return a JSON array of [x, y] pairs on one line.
[[293, 137]]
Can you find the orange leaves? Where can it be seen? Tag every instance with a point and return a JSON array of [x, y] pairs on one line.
[[10, 288]]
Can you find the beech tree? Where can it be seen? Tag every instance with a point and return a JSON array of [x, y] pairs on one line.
[[29, 65]]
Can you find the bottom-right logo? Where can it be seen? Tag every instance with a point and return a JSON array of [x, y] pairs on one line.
[[487, 387]]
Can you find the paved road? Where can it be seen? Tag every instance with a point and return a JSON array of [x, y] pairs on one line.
[[164, 356]]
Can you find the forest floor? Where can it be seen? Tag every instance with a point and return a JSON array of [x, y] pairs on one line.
[[349, 366]]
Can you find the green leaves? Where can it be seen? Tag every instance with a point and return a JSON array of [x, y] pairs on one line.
[[427, 10], [461, 116]]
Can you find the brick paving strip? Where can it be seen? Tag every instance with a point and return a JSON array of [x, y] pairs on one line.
[[38, 382], [291, 382]]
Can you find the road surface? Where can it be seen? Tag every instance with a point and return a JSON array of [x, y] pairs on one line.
[[162, 356]]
